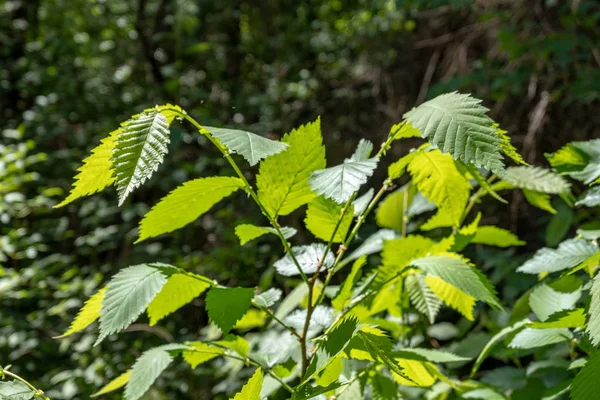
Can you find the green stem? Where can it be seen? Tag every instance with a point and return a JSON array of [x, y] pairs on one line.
[[38, 393], [250, 191]]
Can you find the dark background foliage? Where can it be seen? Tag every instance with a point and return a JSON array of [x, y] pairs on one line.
[[72, 70]]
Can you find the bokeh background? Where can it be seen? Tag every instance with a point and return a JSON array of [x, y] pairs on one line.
[[72, 70]]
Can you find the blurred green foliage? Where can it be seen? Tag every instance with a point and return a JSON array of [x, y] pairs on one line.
[[71, 70]]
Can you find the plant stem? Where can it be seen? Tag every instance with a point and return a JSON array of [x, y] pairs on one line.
[[38, 392], [249, 190]]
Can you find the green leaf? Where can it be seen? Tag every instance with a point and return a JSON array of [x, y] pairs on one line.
[[380, 349], [545, 301], [435, 175], [539, 200], [345, 293], [586, 384], [96, 172], [483, 394], [591, 198], [141, 147], [398, 253], [392, 210], [251, 390], [15, 390], [200, 352], [593, 326], [236, 343], [563, 319], [147, 368], [363, 151], [397, 169], [115, 384], [457, 124], [268, 298], [186, 203], [340, 182], [283, 179], [483, 183], [507, 147], [383, 388], [530, 338], [453, 270], [404, 130], [89, 313], [432, 355], [361, 203], [226, 306], [421, 296], [536, 179], [372, 244], [248, 232], [569, 254], [179, 290], [579, 160], [333, 344], [452, 296], [494, 236], [322, 218], [247, 144], [441, 219], [309, 257], [129, 293]]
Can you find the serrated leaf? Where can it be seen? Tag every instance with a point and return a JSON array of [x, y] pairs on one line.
[[15, 390], [186, 203], [96, 173], [398, 168], [483, 394], [383, 388], [322, 218], [507, 147], [251, 390], [441, 219], [504, 332], [569, 254], [283, 179], [579, 160], [379, 347], [340, 182], [397, 253], [593, 326], [590, 198], [536, 179], [363, 150], [345, 293], [372, 244], [89, 313], [545, 301], [361, 203], [563, 319], [179, 290], [201, 352], [247, 144], [457, 124], [586, 384], [268, 297], [415, 373], [235, 343], [248, 232], [483, 183], [147, 368], [436, 176], [431, 355], [530, 338], [404, 130], [392, 210], [141, 145], [458, 273], [421, 296], [226, 306], [115, 384], [309, 257], [129, 293], [452, 296], [321, 319], [539, 200], [494, 236], [252, 319]]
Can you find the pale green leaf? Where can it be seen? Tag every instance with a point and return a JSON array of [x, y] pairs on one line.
[[397, 254], [309, 257], [186, 203], [283, 179], [507, 147], [432, 355], [247, 144], [398, 168], [545, 301], [226, 306], [453, 270], [89, 313], [236, 343], [147, 368], [140, 148], [539, 200], [494, 236], [345, 293], [362, 202], [563, 319], [392, 210], [323, 218], [15, 390], [586, 384], [363, 150], [457, 124], [115, 384], [129, 293], [530, 338], [248, 232], [96, 172], [404, 130], [593, 326], [579, 160], [590, 198], [251, 390], [268, 297], [483, 394], [421, 296], [441, 219], [536, 179], [179, 290], [452, 296], [200, 352], [372, 244], [436, 176], [569, 254]]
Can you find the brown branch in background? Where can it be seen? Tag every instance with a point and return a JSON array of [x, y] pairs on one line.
[[146, 43], [431, 66], [535, 123]]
